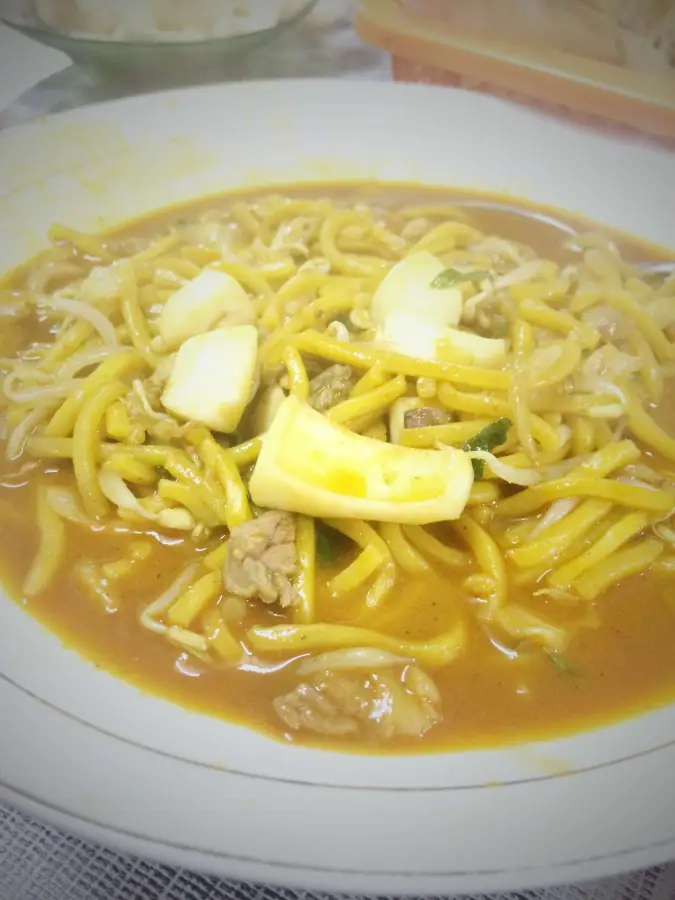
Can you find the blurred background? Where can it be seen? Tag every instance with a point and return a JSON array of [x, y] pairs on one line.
[[58, 54]]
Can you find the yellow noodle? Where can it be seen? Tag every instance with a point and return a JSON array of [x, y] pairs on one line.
[[200, 256], [247, 453], [653, 334], [130, 469], [300, 285], [522, 624], [431, 546], [485, 404], [374, 378], [404, 554], [645, 428], [357, 573], [305, 538], [558, 536], [363, 356], [50, 448], [85, 446], [290, 209], [484, 492], [607, 460], [447, 236], [157, 248], [297, 374], [543, 316], [373, 403], [426, 388], [51, 551], [603, 433], [310, 316], [216, 558], [619, 565], [70, 340], [532, 499], [250, 278], [86, 244], [115, 367], [522, 340], [487, 553], [238, 508], [377, 431], [133, 315], [183, 269], [452, 434], [583, 436], [364, 535], [117, 422], [219, 637], [187, 496], [188, 640], [195, 599], [342, 262], [650, 370], [202, 484], [593, 405], [533, 574], [565, 365], [439, 651], [615, 536]]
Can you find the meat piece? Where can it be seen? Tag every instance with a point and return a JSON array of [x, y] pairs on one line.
[[425, 416], [262, 559], [380, 705], [330, 387]]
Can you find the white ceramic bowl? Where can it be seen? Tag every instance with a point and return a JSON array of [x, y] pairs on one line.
[[96, 756]]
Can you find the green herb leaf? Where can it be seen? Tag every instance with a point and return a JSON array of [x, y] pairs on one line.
[[560, 662], [492, 436], [448, 277], [328, 545]]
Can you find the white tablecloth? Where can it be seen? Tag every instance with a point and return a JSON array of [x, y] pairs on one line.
[[38, 862]]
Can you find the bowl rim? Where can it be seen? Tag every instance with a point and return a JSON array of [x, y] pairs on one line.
[[53, 763]]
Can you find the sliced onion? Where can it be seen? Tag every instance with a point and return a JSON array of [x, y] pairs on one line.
[[560, 469], [636, 482], [17, 438], [339, 331], [164, 601], [117, 491], [39, 393], [510, 474], [665, 532], [556, 511], [83, 360], [352, 658], [65, 504], [557, 594], [80, 310], [119, 494]]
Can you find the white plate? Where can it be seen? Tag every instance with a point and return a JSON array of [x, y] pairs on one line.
[[96, 756]]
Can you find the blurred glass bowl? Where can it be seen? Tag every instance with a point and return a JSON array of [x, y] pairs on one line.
[[185, 57]]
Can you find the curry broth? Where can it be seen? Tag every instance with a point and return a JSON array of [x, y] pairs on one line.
[[625, 666]]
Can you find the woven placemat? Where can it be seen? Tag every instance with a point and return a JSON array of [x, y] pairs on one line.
[[38, 862]]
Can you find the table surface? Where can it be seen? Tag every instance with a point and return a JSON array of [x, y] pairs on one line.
[[38, 862]]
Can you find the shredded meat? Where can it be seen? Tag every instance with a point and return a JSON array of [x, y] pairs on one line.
[[262, 559], [330, 387], [379, 705], [424, 417]]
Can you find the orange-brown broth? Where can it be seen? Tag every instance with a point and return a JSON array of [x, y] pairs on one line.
[[625, 666]]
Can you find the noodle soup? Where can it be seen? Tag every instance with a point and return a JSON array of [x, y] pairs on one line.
[[361, 465]]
